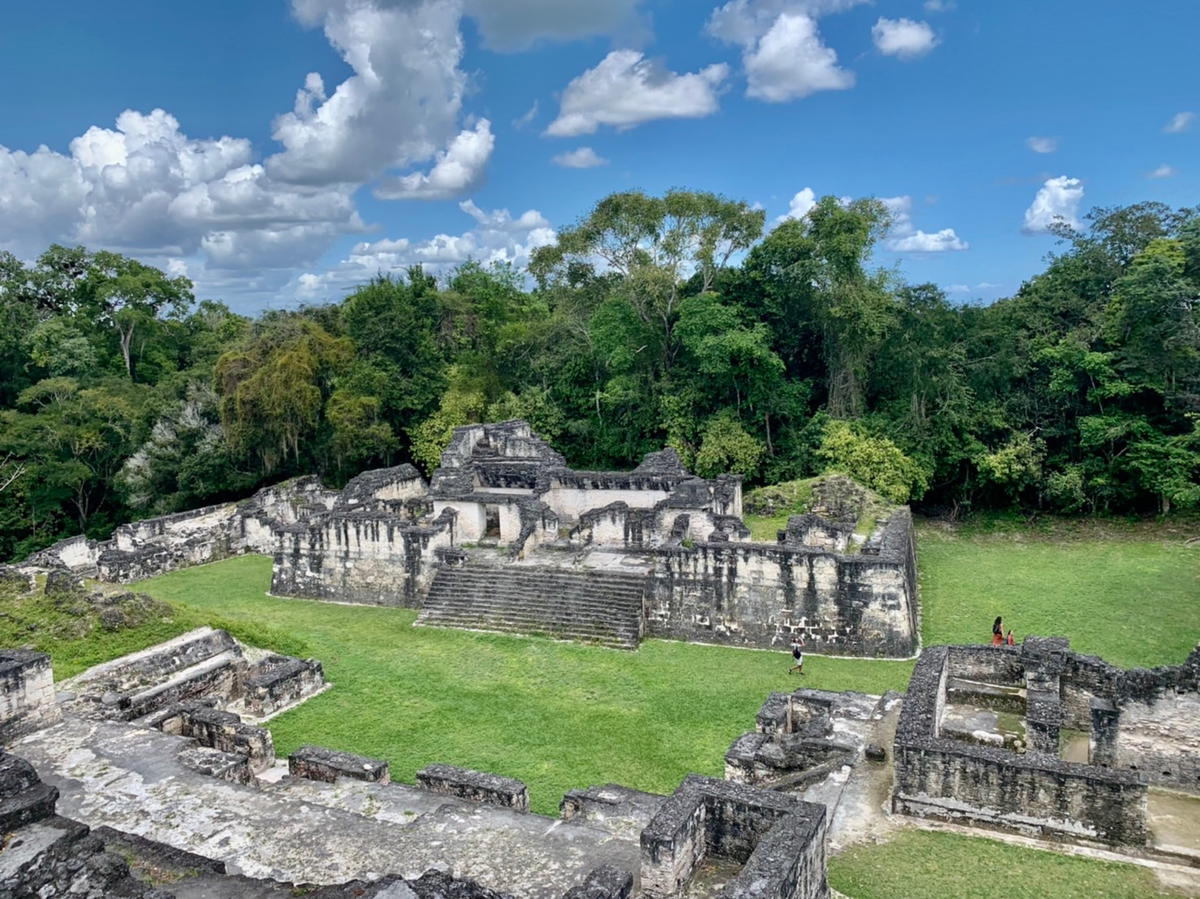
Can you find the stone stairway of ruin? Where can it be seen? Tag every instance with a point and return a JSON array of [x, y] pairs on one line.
[[601, 607]]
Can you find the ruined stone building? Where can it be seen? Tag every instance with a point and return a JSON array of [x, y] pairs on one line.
[[507, 537]]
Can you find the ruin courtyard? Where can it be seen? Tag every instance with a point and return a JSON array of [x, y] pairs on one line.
[[168, 755]]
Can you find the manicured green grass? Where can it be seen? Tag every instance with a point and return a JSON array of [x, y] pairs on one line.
[[556, 715], [1131, 597], [927, 864]]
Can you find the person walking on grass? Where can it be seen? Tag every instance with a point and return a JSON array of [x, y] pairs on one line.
[[998, 631], [798, 655]]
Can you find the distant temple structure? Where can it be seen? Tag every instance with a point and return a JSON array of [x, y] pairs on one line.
[[507, 537]]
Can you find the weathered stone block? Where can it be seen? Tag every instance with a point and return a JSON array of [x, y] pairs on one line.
[[318, 763], [26, 693], [475, 786]]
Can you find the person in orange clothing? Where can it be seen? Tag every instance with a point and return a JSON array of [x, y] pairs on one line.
[[998, 631]]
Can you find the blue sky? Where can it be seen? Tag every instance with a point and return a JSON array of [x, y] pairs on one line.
[[281, 152]]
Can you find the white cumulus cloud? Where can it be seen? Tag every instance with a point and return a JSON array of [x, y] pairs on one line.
[[459, 169], [1042, 144], [145, 187], [904, 237], [626, 89], [583, 158], [1163, 171], [1181, 121], [399, 107], [782, 51], [921, 242], [1057, 200], [799, 206], [903, 38], [940, 6]]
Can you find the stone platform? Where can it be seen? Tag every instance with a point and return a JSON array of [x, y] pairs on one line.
[[130, 778]]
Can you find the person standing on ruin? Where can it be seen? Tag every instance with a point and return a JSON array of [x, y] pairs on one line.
[[998, 631], [798, 655]]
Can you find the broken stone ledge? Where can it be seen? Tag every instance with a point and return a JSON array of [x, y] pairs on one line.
[[327, 765], [475, 786]]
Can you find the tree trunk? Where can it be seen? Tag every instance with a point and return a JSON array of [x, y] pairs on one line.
[[126, 344]]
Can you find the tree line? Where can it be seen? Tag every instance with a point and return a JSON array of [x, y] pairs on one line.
[[652, 321]]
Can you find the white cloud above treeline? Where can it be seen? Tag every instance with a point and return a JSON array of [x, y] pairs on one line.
[[904, 237], [782, 52], [626, 90], [496, 237], [1042, 144], [1180, 122], [1057, 200], [1163, 171]]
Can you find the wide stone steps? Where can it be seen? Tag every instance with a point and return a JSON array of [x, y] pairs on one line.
[[590, 606]]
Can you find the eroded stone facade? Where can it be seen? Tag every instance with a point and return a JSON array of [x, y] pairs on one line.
[[504, 496]]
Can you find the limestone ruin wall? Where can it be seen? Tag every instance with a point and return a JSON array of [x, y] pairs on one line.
[[385, 537]]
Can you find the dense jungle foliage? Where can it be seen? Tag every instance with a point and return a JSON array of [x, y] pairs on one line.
[[654, 320]]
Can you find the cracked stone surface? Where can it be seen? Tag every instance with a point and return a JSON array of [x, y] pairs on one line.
[[129, 778]]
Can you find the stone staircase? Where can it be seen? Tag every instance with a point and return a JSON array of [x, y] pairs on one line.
[[601, 607]]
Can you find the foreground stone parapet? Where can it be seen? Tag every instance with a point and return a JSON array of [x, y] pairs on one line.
[[778, 839], [606, 882], [26, 693], [475, 786], [24, 799], [327, 765]]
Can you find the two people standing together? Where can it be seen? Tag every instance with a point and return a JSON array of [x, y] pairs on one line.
[[999, 638]]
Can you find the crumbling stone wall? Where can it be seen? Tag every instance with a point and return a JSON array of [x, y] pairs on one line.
[[761, 595], [364, 557], [153, 546], [1035, 793], [26, 693], [778, 839]]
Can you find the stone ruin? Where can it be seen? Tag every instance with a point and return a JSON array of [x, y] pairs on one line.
[[104, 793], [506, 537], [1095, 747]]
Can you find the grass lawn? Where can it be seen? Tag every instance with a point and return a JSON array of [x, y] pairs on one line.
[[556, 715], [1132, 597], [928, 864]]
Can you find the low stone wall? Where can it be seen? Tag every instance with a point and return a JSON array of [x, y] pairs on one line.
[[752, 594], [327, 765], [1036, 793], [475, 786], [26, 693], [365, 557], [154, 546], [778, 839]]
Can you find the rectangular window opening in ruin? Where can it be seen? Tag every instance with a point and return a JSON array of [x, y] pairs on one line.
[[492, 527]]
